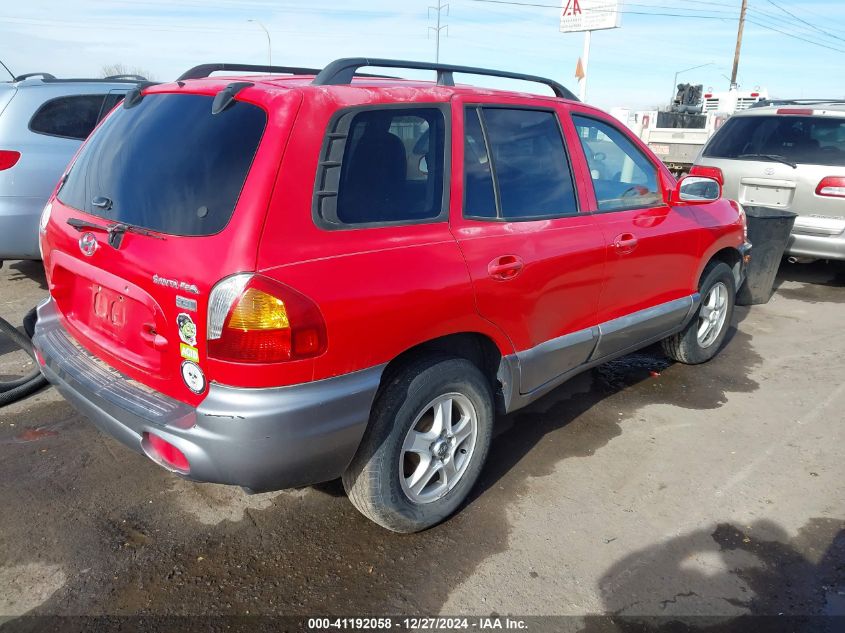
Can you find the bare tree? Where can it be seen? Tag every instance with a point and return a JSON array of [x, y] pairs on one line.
[[119, 68]]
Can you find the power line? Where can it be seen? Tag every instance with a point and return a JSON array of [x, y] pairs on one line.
[[557, 6], [796, 37], [674, 15], [813, 26], [779, 20]]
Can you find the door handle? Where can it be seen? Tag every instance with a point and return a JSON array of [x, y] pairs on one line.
[[505, 267], [625, 243], [153, 338]]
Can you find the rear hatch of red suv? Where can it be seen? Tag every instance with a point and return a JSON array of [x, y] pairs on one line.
[[166, 198]]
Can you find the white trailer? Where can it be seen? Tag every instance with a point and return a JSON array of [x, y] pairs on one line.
[[678, 138]]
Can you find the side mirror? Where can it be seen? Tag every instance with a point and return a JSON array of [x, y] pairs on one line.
[[697, 189], [423, 165]]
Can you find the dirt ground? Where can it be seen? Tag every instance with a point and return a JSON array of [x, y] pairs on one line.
[[641, 488]]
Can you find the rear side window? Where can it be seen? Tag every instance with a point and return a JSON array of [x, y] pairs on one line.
[[382, 166], [168, 164], [74, 116], [623, 177], [515, 165], [799, 139]]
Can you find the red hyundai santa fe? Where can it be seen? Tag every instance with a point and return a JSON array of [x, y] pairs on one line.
[[281, 279]]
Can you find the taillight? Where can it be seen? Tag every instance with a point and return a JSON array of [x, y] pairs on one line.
[[45, 217], [710, 172], [742, 218], [8, 158], [832, 187], [254, 319]]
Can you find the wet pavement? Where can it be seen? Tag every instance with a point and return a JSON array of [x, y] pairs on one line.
[[642, 488]]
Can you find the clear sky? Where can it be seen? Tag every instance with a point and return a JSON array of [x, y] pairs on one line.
[[630, 66]]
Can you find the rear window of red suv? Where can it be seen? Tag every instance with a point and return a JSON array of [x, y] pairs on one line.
[[167, 164]]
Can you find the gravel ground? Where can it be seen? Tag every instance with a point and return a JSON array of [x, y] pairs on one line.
[[641, 488]]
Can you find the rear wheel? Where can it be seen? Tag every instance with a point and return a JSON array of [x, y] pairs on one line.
[[428, 438], [702, 338]]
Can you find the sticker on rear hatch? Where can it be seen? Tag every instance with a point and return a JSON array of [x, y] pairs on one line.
[[193, 376], [191, 353], [187, 329], [186, 304]]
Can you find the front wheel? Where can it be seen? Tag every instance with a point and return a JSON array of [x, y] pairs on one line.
[[703, 336], [428, 438]]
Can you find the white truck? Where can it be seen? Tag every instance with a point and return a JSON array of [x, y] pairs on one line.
[[678, 134]]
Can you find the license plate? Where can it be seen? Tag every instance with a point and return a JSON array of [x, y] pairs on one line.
[[660, 150], [766, 196], [109, 306]]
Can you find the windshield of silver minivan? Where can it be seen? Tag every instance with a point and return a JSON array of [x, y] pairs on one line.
[[797, 139]]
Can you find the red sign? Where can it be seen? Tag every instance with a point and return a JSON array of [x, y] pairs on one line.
[[573, 7]]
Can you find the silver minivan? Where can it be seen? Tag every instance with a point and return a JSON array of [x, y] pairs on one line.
[[43, 121], [789, 155]]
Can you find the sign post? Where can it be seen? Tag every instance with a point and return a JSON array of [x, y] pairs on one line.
[[588, 16]]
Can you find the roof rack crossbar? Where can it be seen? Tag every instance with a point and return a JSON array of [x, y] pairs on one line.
[[771, 102], [28, 75], [204, 70], [341, 72], [126, 76]]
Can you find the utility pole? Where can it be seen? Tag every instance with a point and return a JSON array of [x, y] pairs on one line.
[[437, 29], [738, 41]]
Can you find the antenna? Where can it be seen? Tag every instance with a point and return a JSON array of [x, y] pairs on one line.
[[7, 70], [437, 29]]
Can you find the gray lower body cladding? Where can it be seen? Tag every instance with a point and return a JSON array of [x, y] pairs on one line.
[[262, 439], [530, 374]]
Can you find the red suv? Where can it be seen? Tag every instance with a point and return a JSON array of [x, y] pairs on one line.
[[277, 280]]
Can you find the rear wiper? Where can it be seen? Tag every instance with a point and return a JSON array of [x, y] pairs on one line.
[[775, 157], [81, 225], [115, 231], [121, 228]]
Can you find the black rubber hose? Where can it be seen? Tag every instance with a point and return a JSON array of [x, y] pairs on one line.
[[14, 390]]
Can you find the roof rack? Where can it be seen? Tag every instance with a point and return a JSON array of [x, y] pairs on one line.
[[131, 77], [28, 75], [341, 72], [48, 78], [780, 102], [204, 70]]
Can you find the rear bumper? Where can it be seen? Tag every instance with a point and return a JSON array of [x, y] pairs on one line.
[[19, 227], [816, 246], [262, 439]]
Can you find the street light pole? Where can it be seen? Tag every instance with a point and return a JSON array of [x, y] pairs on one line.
[[675, 81], [269, 45]]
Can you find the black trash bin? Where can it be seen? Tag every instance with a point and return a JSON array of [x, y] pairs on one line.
[[768, 232]]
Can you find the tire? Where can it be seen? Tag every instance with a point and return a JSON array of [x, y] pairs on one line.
[[378, 481], [687, 346]]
